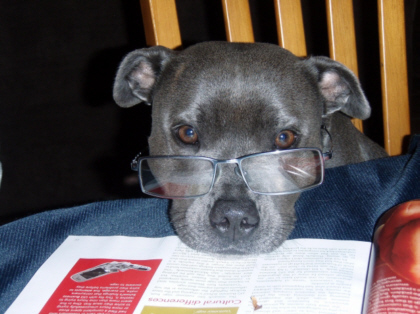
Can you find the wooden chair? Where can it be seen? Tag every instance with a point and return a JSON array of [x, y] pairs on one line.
[[161, 27]]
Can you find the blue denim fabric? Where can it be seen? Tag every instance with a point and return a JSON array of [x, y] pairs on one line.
[[346, 206]]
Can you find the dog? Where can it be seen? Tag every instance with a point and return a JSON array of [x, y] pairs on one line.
[[227, 100]]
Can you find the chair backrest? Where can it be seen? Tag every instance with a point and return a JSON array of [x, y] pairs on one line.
[[162, 28]]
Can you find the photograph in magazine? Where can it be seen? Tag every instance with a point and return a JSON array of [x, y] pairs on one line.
[[102, 286], [395, 282]]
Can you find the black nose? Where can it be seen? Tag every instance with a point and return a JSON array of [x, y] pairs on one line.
[[234, 220]]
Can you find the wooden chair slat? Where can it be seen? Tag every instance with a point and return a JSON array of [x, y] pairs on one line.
[[395, 100], [160, 21], [290, 30], [238, 23]]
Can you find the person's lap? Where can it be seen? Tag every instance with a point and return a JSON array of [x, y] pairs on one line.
[[346, 206]]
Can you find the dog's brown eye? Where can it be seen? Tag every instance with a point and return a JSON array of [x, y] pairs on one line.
[[285, 139], [187, 134]]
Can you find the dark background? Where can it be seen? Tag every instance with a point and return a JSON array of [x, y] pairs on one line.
[[64, 142]]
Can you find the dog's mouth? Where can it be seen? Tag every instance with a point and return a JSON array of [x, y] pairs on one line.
[[233, 251], [237, 250], [257, 242], [240, 248]]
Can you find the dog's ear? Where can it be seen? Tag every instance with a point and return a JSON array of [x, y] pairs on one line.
[[137, 75], [340, 88]]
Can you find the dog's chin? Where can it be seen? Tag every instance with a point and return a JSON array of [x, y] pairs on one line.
[[246, 247], [243, 250], [193, 227]]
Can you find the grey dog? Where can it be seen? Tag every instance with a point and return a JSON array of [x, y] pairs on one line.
[[227, 100]]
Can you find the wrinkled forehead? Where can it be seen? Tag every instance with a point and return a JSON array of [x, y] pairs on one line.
[[237, 104], [238, 87]]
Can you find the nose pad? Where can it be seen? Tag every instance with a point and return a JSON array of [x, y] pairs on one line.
[[238, 172], [217, 176], [219, 173]]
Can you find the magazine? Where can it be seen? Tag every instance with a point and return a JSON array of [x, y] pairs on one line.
[[120, 274], [393, 284]]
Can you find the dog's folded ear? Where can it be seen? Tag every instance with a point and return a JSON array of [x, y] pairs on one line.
[[340, 88], [137, 75]]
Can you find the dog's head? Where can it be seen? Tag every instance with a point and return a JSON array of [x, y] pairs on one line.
[[225, 101]]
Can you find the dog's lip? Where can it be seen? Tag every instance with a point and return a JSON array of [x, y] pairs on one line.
[[233, 250]]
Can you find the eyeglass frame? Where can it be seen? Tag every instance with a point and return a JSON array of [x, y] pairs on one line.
[[135, 166], [135, 163]]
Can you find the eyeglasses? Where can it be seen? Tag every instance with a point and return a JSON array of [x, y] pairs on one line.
[[270, 173]]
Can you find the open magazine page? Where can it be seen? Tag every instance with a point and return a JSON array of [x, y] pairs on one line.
[[395, 280], [195, 281], [107, 288], [162, 275], [304, 274], [314, 276]]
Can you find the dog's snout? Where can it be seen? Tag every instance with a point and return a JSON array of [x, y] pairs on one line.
[[234, 220]]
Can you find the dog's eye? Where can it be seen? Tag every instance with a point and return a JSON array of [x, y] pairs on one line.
[[285, 139], [187, 134]]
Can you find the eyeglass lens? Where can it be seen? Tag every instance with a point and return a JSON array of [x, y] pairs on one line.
[[176, 177], [284, 172]]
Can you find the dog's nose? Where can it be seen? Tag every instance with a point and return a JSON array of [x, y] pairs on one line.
[[234, 220]]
